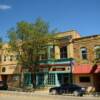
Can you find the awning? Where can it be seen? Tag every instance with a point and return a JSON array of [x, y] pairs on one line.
[[86, 69], [82, 69]]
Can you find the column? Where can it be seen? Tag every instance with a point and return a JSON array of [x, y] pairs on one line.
[[36, 79], [56, 80], [49, 54]]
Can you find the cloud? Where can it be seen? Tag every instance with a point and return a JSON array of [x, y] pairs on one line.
[[4, 7]]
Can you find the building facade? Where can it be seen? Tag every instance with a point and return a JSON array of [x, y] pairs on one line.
[[86, 71], [73, 59], [54, 70], [9, 70], [58, 70]]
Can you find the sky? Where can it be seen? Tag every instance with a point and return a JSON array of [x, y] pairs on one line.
[[63, 15]]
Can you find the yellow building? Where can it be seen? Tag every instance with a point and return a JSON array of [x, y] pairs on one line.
[[9, 70], [65, 46]]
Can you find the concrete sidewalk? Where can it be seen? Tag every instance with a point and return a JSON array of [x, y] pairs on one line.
[[39, 92]]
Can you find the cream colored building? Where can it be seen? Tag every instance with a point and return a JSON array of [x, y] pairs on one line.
[[9, 69]]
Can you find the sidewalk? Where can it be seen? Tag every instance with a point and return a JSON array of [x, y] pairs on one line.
[[38, 92]]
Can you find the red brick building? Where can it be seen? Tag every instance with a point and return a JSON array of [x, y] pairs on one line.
[[86, 71]]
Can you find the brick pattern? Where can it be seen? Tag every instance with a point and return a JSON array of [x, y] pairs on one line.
[[89, 43]]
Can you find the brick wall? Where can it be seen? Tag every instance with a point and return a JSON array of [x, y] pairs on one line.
[[89, 43]]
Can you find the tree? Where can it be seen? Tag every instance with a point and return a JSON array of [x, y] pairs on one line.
[[29, 40], [0, 48], [0, 42]]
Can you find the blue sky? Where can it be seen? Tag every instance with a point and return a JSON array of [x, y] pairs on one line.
[[80, 15]]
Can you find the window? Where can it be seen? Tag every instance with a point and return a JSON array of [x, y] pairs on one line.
[[84, 79], [84, 53], [51, 79], [52, 52], [63, 52], [17, 57], [11, 57], [97, 52], [41, 79], [3, 69], [5, 58], [0, 58]]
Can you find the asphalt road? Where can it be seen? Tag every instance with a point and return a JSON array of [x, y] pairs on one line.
[[46, 97]]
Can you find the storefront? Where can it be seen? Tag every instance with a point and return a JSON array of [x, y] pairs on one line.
[[87, 75], [54, 73]]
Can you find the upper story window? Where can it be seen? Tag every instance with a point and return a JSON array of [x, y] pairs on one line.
[[11, 57], [52, 52], [83, 53], [0, 58], [63, 52], [17, 57], [97, 52], [5, 58]]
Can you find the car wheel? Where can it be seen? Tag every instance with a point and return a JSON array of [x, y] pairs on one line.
[[53, 92], [76, 93]]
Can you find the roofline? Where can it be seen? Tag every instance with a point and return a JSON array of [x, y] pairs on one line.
[[68, 31], [84, 37]]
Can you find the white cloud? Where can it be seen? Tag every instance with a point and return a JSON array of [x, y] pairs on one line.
[[4, 7]]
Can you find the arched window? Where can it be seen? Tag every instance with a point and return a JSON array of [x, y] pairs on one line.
[[83, 51], [97, 52]]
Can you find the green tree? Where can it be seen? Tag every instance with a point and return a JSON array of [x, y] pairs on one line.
[[0, 48], [0, 42], [30, 40]]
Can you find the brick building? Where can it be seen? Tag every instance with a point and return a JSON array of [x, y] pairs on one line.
[[86, 71]]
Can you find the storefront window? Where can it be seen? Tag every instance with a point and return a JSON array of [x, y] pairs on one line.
[[51, 79], [41, 79], [84, 79]]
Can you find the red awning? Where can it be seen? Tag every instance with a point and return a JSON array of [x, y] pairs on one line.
[[82, 69]]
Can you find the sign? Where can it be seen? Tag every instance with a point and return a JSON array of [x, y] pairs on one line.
[[58, 69]]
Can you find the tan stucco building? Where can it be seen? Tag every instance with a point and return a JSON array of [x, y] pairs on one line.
[[9, 69]]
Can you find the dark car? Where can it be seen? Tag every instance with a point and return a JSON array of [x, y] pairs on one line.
[[68, 88], [3, 85]]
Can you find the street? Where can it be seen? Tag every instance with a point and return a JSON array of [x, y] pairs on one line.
[[46, 97]]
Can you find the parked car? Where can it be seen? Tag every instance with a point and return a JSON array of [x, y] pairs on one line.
[[68, 88], [3, 85]]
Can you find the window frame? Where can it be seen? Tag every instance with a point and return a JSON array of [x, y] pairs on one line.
[[82, 79], [63, 52], [96, 55], [84, 55]]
